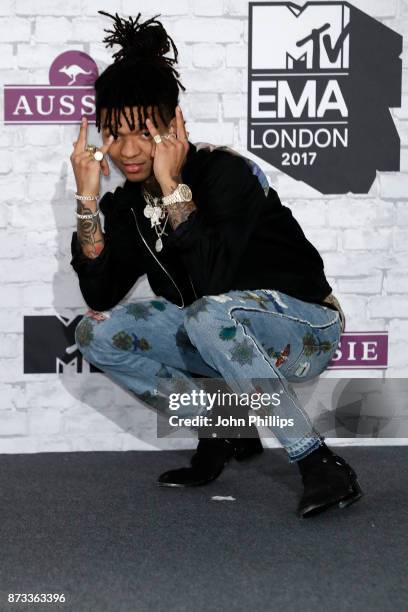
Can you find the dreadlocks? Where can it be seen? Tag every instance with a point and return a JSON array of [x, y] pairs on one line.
[[140, 75]]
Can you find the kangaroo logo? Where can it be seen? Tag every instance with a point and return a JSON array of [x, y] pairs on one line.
[[321, 81], [59, 101], [73, 71]]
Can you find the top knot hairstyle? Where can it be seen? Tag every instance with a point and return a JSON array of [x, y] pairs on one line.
[[140, 75]]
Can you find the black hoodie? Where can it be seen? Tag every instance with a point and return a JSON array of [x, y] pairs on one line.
[[238, 238]]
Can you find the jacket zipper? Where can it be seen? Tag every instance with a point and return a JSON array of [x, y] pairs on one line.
[[160, 264]]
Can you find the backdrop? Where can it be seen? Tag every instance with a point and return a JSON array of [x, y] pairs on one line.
[[315, 94]]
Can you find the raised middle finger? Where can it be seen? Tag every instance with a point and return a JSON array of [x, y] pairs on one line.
[[181, 129], [81, 142]]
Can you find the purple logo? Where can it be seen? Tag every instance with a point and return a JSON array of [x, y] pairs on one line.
[[361, 350], [69, 95]]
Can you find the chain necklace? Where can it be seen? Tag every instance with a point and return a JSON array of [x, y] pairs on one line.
[[155, 211]]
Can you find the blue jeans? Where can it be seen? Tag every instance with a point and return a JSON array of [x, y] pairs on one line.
[[240, 336]]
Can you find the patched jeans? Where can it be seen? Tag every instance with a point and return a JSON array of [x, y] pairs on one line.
[[241, 337]]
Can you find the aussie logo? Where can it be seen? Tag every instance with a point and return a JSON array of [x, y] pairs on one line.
[[321, 81], [69, 95]]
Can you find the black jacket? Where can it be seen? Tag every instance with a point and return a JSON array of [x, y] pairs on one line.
[[238, 238]]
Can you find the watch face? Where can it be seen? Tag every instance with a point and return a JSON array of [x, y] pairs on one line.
[[185, 192]]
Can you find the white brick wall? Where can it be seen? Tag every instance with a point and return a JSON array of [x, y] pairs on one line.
[[363, 239]]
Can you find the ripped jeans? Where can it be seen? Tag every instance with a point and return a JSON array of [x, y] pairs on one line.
[[238, 336]]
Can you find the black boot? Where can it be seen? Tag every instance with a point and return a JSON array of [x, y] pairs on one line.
[[328, 480], [209, 460], [207, 463], [216, 447]]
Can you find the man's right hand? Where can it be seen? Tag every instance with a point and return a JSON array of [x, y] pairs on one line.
[[87, 171]]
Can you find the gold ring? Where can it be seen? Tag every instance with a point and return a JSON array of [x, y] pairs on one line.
[[95, 153]]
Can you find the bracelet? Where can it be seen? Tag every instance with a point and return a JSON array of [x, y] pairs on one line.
[[90, 216], [86, 197]]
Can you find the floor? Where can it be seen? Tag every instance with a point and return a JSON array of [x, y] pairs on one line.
[[96, 527]]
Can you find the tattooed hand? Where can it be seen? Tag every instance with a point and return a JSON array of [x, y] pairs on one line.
[[88, 171]]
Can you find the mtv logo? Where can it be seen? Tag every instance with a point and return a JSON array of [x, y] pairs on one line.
[[286, 36], [49, 345]]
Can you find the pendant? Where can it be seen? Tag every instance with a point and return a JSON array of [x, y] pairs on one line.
[[159, 244], [148, 211], [156, 216], [154, 213]]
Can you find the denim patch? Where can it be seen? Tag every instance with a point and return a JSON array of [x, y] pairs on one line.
[[129, 342], [243, 353], [302, 368], [84, 332], [228, 333], [138, 311]]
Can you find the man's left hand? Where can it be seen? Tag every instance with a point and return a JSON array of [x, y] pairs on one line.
[[169, 154]]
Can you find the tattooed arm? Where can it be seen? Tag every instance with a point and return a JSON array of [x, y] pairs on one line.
[[179, 211], [89, 231], [101, 260]]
